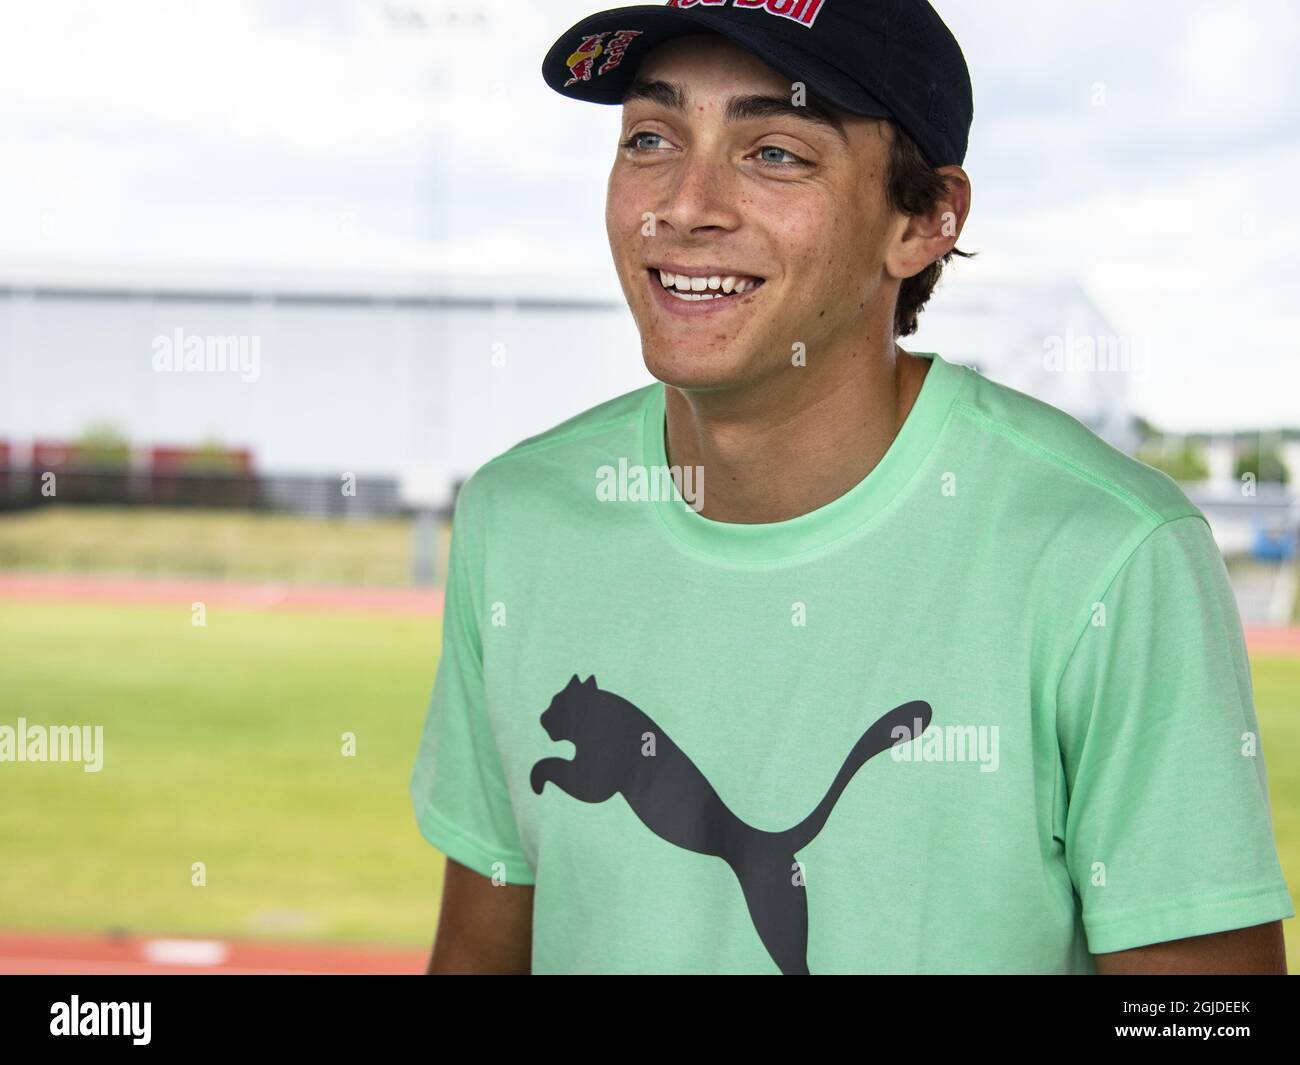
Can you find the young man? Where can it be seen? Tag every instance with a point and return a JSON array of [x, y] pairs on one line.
[[902, 671]]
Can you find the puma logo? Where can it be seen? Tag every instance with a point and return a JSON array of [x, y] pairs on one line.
[[677, 803]]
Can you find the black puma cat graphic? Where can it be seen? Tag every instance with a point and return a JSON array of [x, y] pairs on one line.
[[677, 803]]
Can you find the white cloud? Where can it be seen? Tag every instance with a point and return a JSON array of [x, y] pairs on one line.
[[1238, 63]]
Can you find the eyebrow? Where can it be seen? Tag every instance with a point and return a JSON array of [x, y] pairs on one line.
[[739, 108]]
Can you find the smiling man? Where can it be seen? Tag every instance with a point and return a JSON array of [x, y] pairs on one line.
[[923, 676]]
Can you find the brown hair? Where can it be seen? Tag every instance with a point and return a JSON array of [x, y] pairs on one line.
[[914, 187]]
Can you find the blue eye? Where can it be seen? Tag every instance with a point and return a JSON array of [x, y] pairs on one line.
[[795, 160], [632, 142]]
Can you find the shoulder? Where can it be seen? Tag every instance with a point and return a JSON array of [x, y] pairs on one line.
[[568, 452], [1054, 461], [1068, 512]]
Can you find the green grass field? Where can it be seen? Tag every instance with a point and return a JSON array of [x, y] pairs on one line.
[[223, 746], [1277, 703], [226, 544]]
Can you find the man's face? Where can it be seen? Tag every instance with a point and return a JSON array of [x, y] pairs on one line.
[[756, 193]]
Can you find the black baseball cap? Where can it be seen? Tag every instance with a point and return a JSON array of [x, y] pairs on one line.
[[878, 58]]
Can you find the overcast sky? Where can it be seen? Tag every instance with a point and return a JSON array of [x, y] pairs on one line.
[[1147, 149]]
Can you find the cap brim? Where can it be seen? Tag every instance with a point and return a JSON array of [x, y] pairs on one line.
[[655, 24]]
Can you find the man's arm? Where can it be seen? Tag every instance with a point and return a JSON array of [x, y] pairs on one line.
[[1256, 951], [483, 928]]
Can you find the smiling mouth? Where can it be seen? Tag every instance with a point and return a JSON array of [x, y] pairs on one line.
[[702, 288]]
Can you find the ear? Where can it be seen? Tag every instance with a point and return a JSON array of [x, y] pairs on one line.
[[574, 682], [921, 239], [591, 682]]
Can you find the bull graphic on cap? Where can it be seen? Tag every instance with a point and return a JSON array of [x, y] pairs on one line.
[[584, 57]]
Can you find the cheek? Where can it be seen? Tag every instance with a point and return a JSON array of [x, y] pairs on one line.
[[620, 207], [613, 214], [823, 248]]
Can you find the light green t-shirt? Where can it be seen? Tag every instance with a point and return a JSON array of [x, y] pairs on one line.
[[989, 711]]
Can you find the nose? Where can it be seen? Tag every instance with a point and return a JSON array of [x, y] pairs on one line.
[[700, 197]]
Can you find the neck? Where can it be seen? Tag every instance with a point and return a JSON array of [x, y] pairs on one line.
[[796, 441]]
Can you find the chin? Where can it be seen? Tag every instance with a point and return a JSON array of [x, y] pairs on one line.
[[690, 370]]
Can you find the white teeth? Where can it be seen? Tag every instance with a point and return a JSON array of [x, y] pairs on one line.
[[687, 287], [695, 295]]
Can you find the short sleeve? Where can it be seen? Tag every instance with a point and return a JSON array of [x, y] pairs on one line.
[[458, 788], [1168, 832]]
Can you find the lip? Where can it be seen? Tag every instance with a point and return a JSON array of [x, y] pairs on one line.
[[693, 308]]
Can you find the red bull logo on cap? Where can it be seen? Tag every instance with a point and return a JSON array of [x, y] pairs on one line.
[[803, 12], [583, 60]]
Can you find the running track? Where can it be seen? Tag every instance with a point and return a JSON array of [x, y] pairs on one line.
[[43, 587], [39, 587], [48, 954]]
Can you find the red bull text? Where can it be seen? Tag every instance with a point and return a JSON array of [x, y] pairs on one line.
[[803, 12]]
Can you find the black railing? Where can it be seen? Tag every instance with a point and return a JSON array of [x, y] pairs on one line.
[[24, 488]]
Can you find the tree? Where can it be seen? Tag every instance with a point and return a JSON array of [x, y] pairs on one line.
[[1264, 463], [104, 446], [1183, 463]]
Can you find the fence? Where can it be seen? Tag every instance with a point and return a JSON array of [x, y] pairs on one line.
[[23, 488]]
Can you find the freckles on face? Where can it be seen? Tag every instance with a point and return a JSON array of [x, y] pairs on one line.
[[825, 255], [853, 246]]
